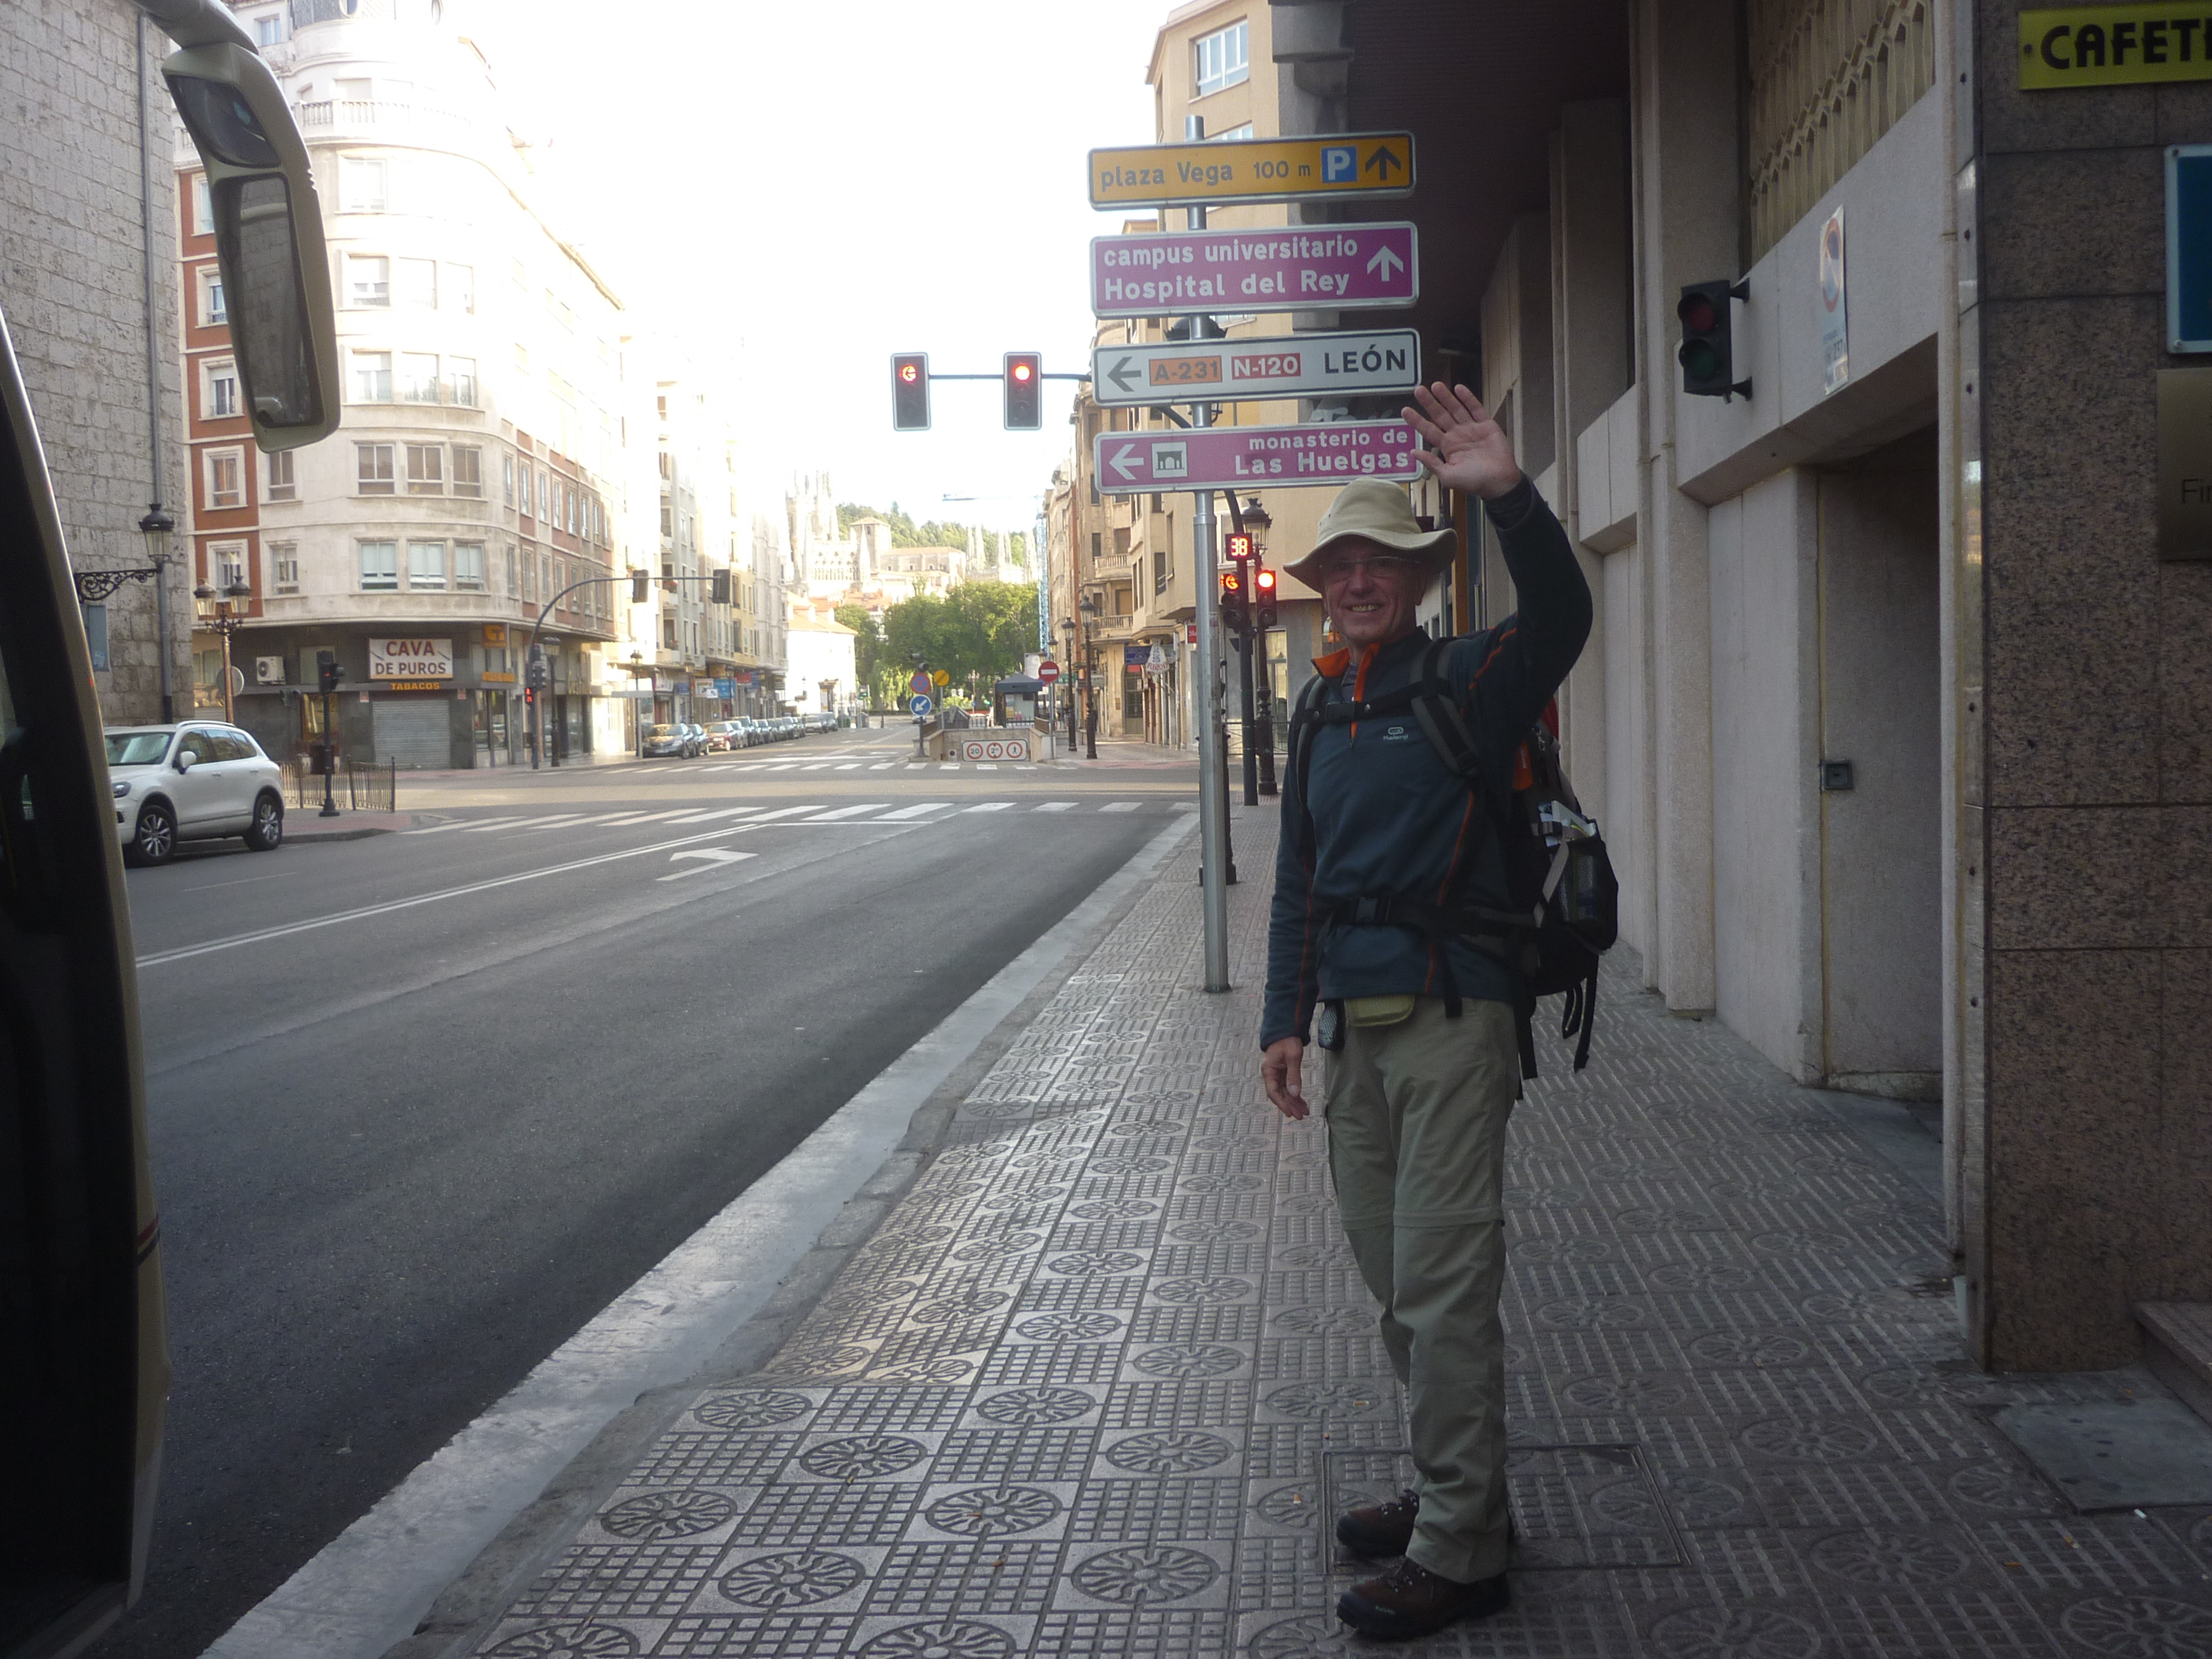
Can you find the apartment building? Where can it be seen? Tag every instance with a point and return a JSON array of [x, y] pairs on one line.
[[475, 499]]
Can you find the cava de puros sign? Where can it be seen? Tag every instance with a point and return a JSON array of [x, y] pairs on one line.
[[411, 660]]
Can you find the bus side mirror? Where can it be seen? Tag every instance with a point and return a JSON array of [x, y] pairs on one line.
[[268, 240]]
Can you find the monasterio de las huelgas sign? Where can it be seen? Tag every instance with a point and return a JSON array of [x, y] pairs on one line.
[[2115, 46]]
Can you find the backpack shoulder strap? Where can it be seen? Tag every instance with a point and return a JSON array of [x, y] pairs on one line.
[[1305, 714], [1441, 719]]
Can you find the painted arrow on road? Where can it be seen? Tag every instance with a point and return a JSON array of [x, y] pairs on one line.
[[716, 857]]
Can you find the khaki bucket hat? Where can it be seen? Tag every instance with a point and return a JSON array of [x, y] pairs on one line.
[[1375, 511]]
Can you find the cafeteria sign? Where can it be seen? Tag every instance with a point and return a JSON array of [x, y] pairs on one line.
[[411, 660], [2114, 45]]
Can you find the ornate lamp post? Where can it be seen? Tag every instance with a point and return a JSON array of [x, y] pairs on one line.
[[95, 586], [215, 612], [1069, 668], [1088, 605]]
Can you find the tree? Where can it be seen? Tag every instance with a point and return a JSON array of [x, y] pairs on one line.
[[978, 629], [905, 532], [870, 659]]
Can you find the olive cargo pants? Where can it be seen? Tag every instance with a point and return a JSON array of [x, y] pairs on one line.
[[1417, 1113]]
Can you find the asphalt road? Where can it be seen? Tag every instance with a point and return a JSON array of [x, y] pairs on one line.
[[423, 1104]]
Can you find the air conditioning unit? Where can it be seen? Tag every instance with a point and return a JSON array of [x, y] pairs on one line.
[[268, 671]]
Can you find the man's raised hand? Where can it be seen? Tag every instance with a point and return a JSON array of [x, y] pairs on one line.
[[1468, 451]]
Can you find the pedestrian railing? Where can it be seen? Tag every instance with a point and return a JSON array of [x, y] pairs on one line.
[[358, 787]]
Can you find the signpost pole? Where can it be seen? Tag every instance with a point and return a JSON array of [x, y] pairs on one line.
[[1213, 760]]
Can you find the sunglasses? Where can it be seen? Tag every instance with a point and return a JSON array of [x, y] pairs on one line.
[[1381, 567]]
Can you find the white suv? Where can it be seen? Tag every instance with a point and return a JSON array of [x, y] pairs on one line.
[[189, 781]]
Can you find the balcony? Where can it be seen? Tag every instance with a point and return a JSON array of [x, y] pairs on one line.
[[374, 119]]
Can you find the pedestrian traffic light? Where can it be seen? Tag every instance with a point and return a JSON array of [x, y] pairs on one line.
[[719, 588], [910, 391], [1024, 381], [1263, 597], [529, 695], [1239, 545], [1708, 350], [638, 579], [329, 674], [1233, 596]]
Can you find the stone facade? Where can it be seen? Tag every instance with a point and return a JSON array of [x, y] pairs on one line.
[[72, 274]]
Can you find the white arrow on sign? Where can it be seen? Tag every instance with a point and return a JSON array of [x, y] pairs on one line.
[[1120, 461], [1386, 262], [716, 857]]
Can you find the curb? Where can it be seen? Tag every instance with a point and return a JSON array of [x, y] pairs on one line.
[[468, 1609]]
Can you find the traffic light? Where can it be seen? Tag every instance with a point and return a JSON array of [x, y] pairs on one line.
[[910, 391], [1708, 349], [329, 673], [718, 590], [1239, 545], [638, 579], [1024, 380], [1263, 597], [529, 695], [1233, 596]]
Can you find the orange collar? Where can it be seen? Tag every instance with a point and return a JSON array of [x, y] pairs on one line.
[[1333, 665]]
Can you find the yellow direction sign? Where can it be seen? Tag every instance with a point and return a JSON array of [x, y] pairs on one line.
[[1370, 164], [2114, 45], [942, 678]]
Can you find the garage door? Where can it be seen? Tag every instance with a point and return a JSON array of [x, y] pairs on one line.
[[415, 733]]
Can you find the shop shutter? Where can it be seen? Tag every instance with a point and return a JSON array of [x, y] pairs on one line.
[[414, 731]]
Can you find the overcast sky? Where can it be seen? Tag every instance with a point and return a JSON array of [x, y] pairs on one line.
[[803, 189]]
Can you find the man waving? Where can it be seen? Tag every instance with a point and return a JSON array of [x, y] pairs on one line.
[[1418, 1022]]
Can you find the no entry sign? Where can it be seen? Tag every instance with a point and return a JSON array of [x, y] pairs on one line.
[[1213, 457]]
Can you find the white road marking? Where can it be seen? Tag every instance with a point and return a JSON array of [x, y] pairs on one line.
[[986, 765], [848, 812], [783, 812], [1053, 807], [1119, 806], [363, 912], [849, 766], [472, 824], [369, 1588], [716, 857], [883, 766], [528, 823], [988, 806], [914, 811], [708, 817]]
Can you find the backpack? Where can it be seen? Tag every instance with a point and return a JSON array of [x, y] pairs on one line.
[[1563, 896]]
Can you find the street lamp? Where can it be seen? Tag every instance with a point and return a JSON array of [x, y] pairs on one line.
[[1069, 670], [1088, 605], [637, 716], [215, 612]]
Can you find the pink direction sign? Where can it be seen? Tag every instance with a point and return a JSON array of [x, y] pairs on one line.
[[1226, 457], [1308, 266]]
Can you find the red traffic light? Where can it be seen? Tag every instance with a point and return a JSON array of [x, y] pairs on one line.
[[1264, 581], [909, 371], [910, 391], [1232, 583], [1697, 312], [1022, 374], [1024, 371]]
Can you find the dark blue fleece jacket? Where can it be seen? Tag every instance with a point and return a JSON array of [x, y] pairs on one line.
[[1389, 818]]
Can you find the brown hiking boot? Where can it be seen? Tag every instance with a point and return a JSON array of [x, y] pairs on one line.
[[1380, 1529], [1410, 1600]]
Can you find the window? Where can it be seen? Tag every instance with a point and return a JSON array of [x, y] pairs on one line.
[[284, 567], [530, 577], [418, 377], [662, 401], [545, 496], [461, 382], [1233, 136], [95, 635], [415, 282], [212, 309], [361, 184], [282, 486], [461, 286], [269, 31], [521, 359], [468, 472], [379, 567], [369, 280], [227, 564], [226, 475], [507, 479], [1219, 61], [219, 391], [469, 566], [426, 564], [514, 583], [373, 464], [203, 207], [426, 469], [372, 377]]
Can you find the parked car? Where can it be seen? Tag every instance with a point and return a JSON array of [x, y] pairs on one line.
[[191, 781], [723, 736], [667, 739]]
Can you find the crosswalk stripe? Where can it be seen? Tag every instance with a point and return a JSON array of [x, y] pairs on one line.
[[785, 813], [883, 766], [441, 828], [988, 806], [848, 812], [850, 766], [1119, 806], [708, 817], [914, 811], [1053, 807]]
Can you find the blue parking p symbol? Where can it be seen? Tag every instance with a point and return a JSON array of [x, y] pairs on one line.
[[1340, 164]]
